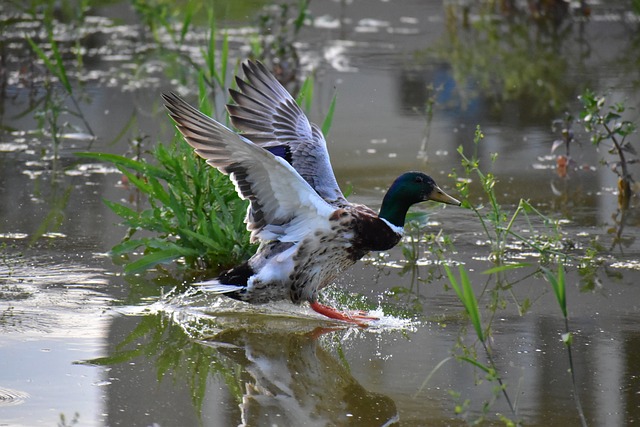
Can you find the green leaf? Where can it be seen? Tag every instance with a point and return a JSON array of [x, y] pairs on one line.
[[328, 120], [159, 191], [203, 239], [305, 96], [62, 72], [477, 364], [42, 56], [209, 55], [127, 246], [136, 165], [186, 22], [152, 259], [467, 297], [506, 267], [224, 59], [558, 284], [471, 303], [121, 210]]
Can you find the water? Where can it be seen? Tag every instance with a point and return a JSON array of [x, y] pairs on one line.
[[85, 344]]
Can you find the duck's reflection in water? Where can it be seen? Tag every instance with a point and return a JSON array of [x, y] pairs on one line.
[[292, 381]]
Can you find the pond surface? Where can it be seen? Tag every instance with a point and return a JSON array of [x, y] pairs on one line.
[[85, 344]]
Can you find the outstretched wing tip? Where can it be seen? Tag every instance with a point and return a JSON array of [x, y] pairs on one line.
[[267, 115], [276, 191]]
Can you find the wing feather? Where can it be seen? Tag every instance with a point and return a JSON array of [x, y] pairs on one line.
[[283, 206], [267, 115]]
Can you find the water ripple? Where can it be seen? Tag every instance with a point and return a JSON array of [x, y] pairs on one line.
[[9, 397]]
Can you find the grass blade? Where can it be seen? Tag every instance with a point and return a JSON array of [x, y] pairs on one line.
[[62, 72], [127, 246], [506, 267], [558, 284], [477, 364], [149, 260], [135, 165], [433, 371], [122, 211], [328, 120], [467, 297], [305, 96]]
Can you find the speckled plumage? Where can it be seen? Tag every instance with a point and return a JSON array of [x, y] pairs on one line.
[[308, 232]]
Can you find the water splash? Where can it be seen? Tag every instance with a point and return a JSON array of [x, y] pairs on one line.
[[203, 315]]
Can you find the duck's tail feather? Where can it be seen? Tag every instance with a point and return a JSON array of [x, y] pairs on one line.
[[214, 286]]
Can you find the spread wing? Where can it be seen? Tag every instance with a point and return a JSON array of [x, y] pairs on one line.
[[268, 115], [282, 204]]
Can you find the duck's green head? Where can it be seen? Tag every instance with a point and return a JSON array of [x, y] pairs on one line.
[[408, 189]]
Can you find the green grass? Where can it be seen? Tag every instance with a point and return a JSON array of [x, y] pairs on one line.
[[194, 212], [558, 284], [501, 227], [497, 222], [466, 295], [55, 117]]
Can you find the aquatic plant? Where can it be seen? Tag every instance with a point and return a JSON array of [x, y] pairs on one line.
[[498, 223], [605, 125], [56, 107], [607, 129], [72, 422], [169, 27], [557, 281], [274, 45], [500, 227], [466, 295], [194, 212], [54, 104]]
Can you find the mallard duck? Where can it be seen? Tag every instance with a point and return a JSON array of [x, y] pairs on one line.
[[308, 232]]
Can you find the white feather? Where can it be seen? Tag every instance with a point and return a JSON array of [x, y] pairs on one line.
[[214, 286]]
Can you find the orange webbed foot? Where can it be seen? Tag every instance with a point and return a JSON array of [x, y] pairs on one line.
[[358, 317]]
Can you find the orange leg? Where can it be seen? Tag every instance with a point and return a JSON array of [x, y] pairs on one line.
[[359, 317]]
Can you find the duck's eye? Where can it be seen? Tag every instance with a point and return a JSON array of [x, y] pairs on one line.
[[419, 179]]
